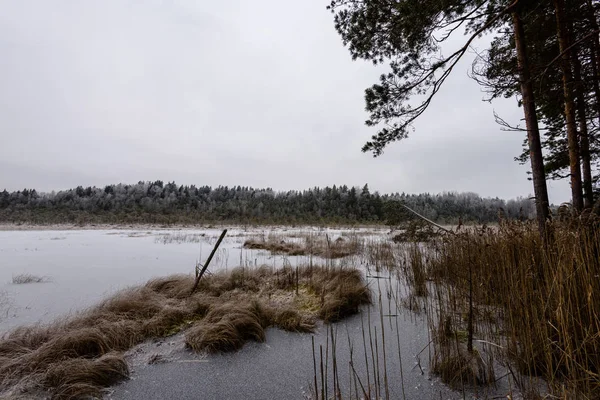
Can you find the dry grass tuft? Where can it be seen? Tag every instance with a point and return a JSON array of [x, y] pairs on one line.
[[281, 247], [79, 356], [459, 367], [83, 378], [174, 286], [315, 245], [293, 321], [342, 295], [23, 279], [456, 365], [228, 328]]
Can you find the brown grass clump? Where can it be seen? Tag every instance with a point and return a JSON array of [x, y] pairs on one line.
[[79, 356], [174, 286], [24, 339], [459, 367], [228, 328], [81, 377], [275, 247], [454, 362], [311, 245], [340, 248], [342, 295], [293, 321]]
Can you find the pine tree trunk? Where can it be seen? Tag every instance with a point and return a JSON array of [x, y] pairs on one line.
[[595, 55], [531, 121], [594, 50], [572, 139], [584, 141]]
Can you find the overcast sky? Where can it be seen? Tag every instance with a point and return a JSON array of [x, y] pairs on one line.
[[224, 93]]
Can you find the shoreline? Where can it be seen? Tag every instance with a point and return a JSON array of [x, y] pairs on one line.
[[6, 227], [93, 227]]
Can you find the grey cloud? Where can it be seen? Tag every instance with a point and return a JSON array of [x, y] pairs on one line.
[[249, 93]]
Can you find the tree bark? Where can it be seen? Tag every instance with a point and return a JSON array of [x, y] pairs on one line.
[[595, 55], [531, 121], [584, 141], [595, 64], [572, 139]]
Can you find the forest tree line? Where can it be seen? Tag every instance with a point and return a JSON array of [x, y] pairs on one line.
[[164, 203]]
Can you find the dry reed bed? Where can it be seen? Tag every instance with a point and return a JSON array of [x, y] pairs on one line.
[[309, 244], [79, 356], [179, 237], [538, 303]]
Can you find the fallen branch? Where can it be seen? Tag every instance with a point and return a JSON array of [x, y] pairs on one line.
[[428, 220]]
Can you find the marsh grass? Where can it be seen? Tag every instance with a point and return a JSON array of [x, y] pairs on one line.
[[79, 356], [308, 244], [23, 279], [179, 237], [5, 304], [454, 362], [280, 247], [537, 303], [371, 373], [382, 255]]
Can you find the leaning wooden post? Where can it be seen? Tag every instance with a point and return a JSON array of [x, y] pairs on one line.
[[214, 250]]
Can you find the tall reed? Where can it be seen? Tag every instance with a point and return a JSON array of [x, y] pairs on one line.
[[537, 302]]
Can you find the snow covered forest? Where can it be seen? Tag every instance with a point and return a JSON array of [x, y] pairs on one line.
[[157, 202]]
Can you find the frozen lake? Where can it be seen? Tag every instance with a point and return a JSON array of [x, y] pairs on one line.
[[84, 266]]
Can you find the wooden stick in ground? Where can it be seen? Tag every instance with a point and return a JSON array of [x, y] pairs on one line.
[[214, 250]]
